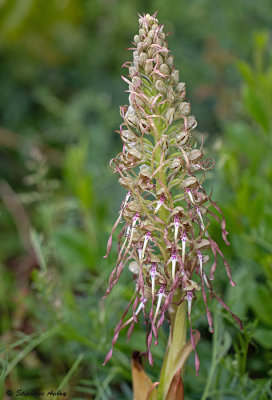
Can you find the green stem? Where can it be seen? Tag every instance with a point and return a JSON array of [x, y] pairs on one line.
[[176, 341], [177, 332]]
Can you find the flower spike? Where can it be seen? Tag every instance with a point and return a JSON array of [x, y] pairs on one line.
[[162, 167]]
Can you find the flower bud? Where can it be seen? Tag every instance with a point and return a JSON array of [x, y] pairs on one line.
[[131, 117], [140, 46], [132, 71], [126, 183], [151, 34], [128, 137], [147, 41], [136, 81], [139, 101], [182, 138], [133, 156], [175, 77], [141, 33], [159, 59], [151, 51], [184, 109], [170, 94], [191, 122], [170, 61], [169, 116], [160, 86], [181, 87], [142, 59], [162, 35], [164, 69], [194, 155], [136, 39], [176, 163], [190, 182], [148, 67], [203, 244], [135, 56]]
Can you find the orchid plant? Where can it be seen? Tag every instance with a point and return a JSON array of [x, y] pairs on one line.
[[164, 239]]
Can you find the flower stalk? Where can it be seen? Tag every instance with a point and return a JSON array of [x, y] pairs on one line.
[[165, 239]]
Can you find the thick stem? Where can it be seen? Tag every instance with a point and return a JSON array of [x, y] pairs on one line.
[[176, 341]]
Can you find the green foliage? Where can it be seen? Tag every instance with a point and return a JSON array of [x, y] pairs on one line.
[[246, 172]]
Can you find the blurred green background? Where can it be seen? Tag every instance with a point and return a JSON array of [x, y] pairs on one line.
[[60, 91]]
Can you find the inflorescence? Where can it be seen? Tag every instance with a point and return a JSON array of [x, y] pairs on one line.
[[166, 211]]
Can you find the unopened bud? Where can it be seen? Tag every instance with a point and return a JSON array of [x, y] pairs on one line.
[[162, 35], [195, 155], [203, 244], [151, 34], [131, 118], [182, 138], [191, 122], [160, 86], [135, 55], [170, 94], [128, 136], [159, 59], [184, 109], [181, 87], [147, 41], [169, 116], [132, 71], [142, 59], [140, 47], [151, 51], [142, 32], [164, 69], [175, 76], [170, 60], [148, 67], [176, 163], [139, 101], [136, 81], [190, 182], [136, 39]]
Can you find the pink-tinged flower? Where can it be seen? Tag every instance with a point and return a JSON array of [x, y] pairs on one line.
[[176, 223], [160, 203], [164, 233], [153, 273], [146, 239], [160, 295], [190, 195], [184, 239]]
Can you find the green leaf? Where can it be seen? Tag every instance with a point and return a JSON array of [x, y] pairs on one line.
[[263, 337], [260, 301], [177, 352], [256, 108], [246, 72]]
